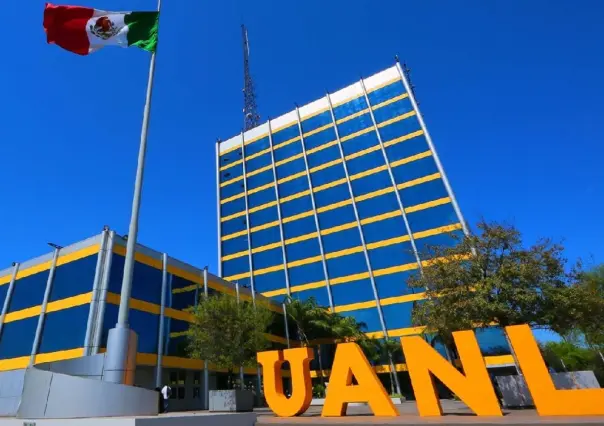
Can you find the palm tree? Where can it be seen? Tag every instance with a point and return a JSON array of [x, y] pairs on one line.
[[377, 350]]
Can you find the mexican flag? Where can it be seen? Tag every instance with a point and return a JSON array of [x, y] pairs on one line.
[[83, 30]]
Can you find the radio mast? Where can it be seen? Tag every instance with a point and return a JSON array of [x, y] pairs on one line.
[[251, 118]]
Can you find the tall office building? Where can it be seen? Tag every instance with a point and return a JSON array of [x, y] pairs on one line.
[[337, 200]]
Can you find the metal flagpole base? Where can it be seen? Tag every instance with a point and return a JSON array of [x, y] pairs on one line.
[[120, 359]]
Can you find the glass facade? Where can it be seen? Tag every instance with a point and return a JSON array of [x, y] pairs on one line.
[[337, 200]]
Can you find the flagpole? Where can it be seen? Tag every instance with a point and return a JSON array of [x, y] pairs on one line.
[[122, 342]]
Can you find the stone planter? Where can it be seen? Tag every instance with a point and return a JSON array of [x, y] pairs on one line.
[[233, 400]]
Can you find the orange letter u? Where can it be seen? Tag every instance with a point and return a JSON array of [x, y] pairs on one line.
[[299, 362]]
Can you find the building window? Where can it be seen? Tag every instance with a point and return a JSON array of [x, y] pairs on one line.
[[181, 393], [196, 392], [182, 376], [173, 378], [197, 378]]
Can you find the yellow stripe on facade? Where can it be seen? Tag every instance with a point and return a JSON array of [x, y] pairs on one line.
[[418, 181], [301, 238], [352, 116], [407, 160], [374, 194], [34, 311], [390, 101], [44, 266], [297, 216], [339, 228], [23, 361], [258, 154], [237, 234], [318, 130], [341, 253], [321, 147], [232, 198], [260, 188], [329, 185], [302, 262], [235, 255], [396, 119], [363, 152], [356, 134], [436, 231], [268, 270], [237, 276], [355, 306], [232, 216], [402, 299], [325, 165], [380, 217], [403, 138], [230, 181], [139, 257], [231, 149], [262, 207], [285, 143], [388, 242], [260, 170], [429, 204], [368, 172], [295, 196], [291, 177], [289, 159], [314, 114], [334, 206], [349, 278], [233, 164], [256, 138]]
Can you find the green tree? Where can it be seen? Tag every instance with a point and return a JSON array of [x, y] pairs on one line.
[[564, 356], [490, 277], [591, 328], [378, 350], [227, 333]]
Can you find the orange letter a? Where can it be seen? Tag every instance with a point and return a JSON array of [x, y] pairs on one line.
[[299, 362]]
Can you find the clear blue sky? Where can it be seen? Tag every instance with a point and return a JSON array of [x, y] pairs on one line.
[[512, 93]]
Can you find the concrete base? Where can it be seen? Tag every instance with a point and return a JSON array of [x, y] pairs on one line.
[[319, 402], [233, 400], [120, 358], [172, 419]]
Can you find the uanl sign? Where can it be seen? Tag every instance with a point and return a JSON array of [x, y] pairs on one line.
[[473, 387]]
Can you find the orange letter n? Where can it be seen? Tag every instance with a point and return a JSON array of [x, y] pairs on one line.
[[475, 388], [299, 362]]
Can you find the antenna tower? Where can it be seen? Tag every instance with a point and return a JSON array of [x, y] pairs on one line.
[[251, 118]]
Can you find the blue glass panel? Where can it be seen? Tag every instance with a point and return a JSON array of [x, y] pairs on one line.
[[376, 206], [283, 134], [262, 197], [399, 128], [492, 341], [28, 291], [287, 151], [3, 291], [365, 162], [369, 317], [302, 250], [232, 207], [352, 292], [235, 266], [449, 239], [291, 168], [147, 283], [299, 227], [18, 338], [179, 282], [341, 240], [316, 121], [428, 191], [350, 107], [414, 170], [356, 124], [146, 326], [320, 295], [371, 183], [178, 326], [293, 186], [298, 205], [324, 156], [263, 216], [231, 189], [265, 236], [384, 229], [360, 143], [336, 217], [387, 92], [184, 300], [64, 329], [117, 273], [233, 172], [74, 278], [432, 218], [407, 149], [393, 110], [230, 157], [260, 179], [234, 245], [267, 282], [320, 138], [267, 258], [109, 321], [328, 175], [346, 265], [256, 163], [331, 196], [393, 285], [394, 255], [257, 146], [310, 273], [398, 316]]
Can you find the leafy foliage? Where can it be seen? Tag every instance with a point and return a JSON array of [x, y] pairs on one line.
[[226, 333], [591, 327], [565, 355], [491, 278]]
